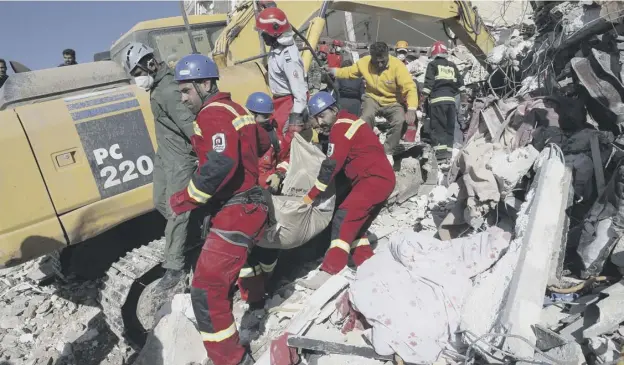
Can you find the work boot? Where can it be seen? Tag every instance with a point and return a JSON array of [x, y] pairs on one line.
[[170, 279], [247, 360]]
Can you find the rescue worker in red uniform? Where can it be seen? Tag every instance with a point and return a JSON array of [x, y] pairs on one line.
[[334, 58], [285, 66], [227, 141], [355, 149], [261, 106]]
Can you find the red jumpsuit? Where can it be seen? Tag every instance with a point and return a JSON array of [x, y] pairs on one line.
[[227, 141], [334, 60], [271, 161], [354, 148]]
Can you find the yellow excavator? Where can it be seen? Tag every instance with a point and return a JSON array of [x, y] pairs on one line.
[[78, 142]]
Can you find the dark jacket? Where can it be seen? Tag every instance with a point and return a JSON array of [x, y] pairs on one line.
[[442, 81], [350, 91], [174, 121], [3, 79]]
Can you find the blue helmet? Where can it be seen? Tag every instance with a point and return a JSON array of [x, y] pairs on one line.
[[319, 102], [196, 67], [260, 103]]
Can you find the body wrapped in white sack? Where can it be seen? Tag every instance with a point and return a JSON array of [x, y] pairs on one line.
[[298, 223]]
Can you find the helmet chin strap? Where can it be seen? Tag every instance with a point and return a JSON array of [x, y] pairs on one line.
[[204, 96]]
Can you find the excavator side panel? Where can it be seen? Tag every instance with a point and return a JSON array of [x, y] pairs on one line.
[[28, 222], [96, 154]]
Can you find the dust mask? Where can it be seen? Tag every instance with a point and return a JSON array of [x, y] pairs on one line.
[[338, 49], [144, 82], [401, 56]]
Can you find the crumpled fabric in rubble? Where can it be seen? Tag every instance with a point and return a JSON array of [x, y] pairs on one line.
[[412, 293], [603, 227]]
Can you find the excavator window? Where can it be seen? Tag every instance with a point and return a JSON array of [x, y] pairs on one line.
[[173, 43]]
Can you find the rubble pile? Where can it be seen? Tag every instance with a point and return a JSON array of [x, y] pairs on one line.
[[465, 61], [58, 324]]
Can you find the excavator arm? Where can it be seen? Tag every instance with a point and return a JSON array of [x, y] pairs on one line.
[[237, 40]]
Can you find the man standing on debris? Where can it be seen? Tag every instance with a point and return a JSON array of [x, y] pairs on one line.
[[317, 73], [228, 142], [401, 51], [388, 84], [175, 160], [286, 73], [334, 58], [355, 149], [443, 83], [69, 57], [3, 72]]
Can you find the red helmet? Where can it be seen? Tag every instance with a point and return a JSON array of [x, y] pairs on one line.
[[272, 21], [437, 48], [324, 48], [338, 42], [267, 4]]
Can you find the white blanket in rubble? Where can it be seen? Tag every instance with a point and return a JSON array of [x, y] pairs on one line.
[[298, 223], [412, 292]]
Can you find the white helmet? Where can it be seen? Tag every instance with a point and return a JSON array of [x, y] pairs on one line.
[[134, 53]]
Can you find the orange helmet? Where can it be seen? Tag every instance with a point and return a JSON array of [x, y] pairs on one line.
[[272, 21], [324, 48], [400, 45], [437, 48]]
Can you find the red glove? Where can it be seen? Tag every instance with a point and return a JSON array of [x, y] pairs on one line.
[[181, 202]]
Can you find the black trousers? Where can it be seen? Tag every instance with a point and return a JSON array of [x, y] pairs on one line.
[[443, 117]]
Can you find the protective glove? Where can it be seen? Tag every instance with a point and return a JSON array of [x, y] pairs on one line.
[[181, 202], [295, 119], [274, 181], [410, 117], [331, 71], [307, 200]]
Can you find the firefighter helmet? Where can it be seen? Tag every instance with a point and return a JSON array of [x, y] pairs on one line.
[[272, 21], [319, 102], [337, 43], [135, 52], [401, 46], [324, 48], [438, 48], [196, 67], [260, 103]]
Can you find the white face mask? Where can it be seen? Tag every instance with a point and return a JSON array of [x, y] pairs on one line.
[[401, 56], [144, 82], [338, 49]]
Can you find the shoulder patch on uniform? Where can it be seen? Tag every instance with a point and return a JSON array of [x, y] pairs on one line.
[[218, 142], [330, 149], [287, 56]]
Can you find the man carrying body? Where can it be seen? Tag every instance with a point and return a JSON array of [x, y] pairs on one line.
[[286, 72], [69, 58], [175, 159], [3, 72], [227, 141], [355, 149], [442, 84], [388, 84]]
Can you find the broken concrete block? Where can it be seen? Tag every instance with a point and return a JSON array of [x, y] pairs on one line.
[[570, 353], [606, 315], [509, 168], [175, 341], [540, 239]]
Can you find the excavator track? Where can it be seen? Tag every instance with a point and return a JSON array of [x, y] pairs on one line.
[[122, 286]]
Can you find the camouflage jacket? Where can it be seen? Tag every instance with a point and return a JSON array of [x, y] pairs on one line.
[[316, 77]]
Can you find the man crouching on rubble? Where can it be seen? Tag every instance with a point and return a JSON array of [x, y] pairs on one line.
[[226, 141], [354, 148]]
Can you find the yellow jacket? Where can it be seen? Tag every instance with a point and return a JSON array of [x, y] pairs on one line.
[[393, 85]]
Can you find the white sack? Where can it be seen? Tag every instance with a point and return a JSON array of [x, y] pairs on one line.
[[298, 223], [412, 294]]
